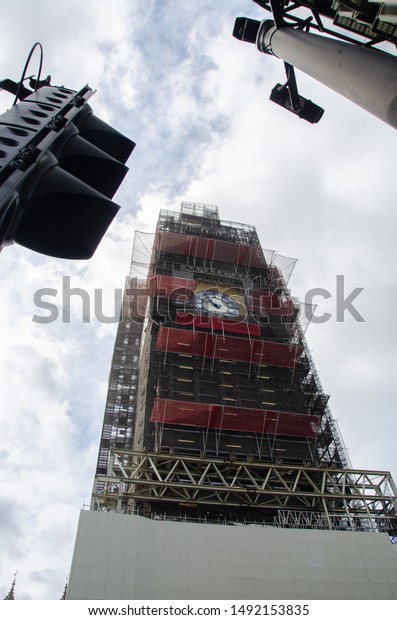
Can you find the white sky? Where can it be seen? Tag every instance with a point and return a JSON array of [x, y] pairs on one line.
[[169, 75]]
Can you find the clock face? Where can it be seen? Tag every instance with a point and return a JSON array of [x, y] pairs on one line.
[[217, 303]]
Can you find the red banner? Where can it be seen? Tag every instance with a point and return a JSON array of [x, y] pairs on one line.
[[205, 344], [183, 413], [202, 247]]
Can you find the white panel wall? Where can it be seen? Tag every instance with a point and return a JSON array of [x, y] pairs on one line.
[[125, 557]]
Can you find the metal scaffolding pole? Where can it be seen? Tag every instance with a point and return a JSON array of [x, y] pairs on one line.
[[364, 76]]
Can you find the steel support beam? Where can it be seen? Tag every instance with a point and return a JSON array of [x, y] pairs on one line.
[[336, 493]]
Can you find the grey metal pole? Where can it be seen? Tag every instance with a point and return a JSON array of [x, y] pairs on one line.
[[365, 76]]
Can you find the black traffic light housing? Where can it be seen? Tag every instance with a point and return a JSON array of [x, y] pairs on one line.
[[60, 166], [287, 96], [246, 29]]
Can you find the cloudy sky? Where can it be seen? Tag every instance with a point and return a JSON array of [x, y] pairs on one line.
[[169, 75]]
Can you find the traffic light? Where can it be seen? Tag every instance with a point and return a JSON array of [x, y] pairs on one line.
[[60, 167]]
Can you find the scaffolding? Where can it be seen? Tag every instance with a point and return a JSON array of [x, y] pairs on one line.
[[193, 354], [286, 496], [120, 408], [215, 411], [120, 404]]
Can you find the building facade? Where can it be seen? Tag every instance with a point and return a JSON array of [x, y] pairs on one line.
[[216, 425]]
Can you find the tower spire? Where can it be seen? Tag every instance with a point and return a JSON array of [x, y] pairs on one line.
[[10, 596], [65, 590]]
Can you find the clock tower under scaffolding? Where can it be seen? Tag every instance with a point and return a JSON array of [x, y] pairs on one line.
[[215, 414]]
